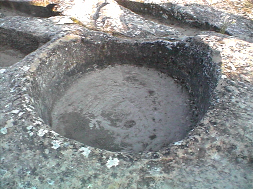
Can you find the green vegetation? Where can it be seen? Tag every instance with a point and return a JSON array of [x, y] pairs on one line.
[[226, 23]]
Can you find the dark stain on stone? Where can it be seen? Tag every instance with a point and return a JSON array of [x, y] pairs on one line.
[[151, 92], [202, 153], [77, 127], [129, 123], [152, 137]]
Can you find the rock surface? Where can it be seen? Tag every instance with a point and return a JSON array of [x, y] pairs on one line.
[[217, 153]]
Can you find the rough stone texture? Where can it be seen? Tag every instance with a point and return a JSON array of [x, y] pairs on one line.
[[198, 15], [218, 152]]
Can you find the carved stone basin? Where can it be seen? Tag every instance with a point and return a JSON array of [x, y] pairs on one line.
[[15, 45], [123, 95]]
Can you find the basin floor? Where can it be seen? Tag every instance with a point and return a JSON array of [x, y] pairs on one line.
[[123, 108], [9, 56]]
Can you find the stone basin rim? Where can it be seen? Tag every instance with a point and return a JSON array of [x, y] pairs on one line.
[[68, 39]]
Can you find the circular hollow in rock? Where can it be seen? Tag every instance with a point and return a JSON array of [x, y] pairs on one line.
[[123, 108], [119, 95], [15, 45]]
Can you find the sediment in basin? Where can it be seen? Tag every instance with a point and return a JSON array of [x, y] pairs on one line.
[[15, 45], [9, 56], [123, 108], [115, 95]]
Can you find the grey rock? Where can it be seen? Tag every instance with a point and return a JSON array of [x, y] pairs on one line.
[[217, 152]]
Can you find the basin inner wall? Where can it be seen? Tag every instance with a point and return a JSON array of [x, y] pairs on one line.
[[188, 62], [24, 42]]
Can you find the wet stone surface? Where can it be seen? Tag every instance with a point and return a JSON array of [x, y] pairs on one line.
[[124, 108]]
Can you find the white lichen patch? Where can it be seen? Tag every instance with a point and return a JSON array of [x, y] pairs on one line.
[[155, 171], [4, 130], [30, 133], [90, 186], [46, 151], [42, 132], [37, 122], [85, 151], [15, 111], [54, 133], [25, 68], [9, 123], [56, 144], [50, 182], [216, 157], [2, 71], [29, 109], [112, 162], [29, 128], [178, 143], [20, 114]]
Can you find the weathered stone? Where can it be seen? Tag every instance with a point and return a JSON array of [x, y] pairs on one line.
[[216, 153], [200, 16]]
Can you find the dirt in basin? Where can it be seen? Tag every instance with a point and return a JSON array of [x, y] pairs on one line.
[[9, 56], [123, 108]]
